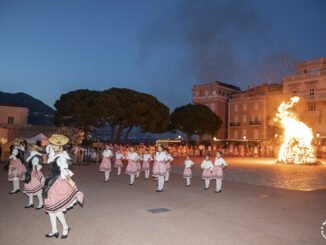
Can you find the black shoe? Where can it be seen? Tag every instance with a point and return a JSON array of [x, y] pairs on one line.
[[187, 185], [166, 181], [14, 192], [160, 190], [56, 235], [106, 181], [65, 236], [130, 184], [205, 188], [218, 191], [38, 208], [30, 206]]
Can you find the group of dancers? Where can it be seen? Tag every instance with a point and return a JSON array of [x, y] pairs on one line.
[[161, 167], [58, 190]]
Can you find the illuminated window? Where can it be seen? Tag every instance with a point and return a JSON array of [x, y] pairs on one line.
[[256, 134], [10, 120], [206, 92], [256, 106], [244, 118], [214, 92], [244, 107], [236, 119], [236, 107]]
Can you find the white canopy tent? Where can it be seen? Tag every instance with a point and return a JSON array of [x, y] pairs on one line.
[[38, 138]]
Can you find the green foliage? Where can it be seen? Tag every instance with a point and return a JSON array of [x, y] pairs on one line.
[[79, 109], [195, 119]]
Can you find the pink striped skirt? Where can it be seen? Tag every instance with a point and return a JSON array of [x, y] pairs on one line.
[[131, 167], [118, 163], [207, 174], [61, 196], [187, 173], [34, 187], [217, 173], [145, 166], [159, 170], [138, 167], [155, 166], [16, 170], [168, 166], [105, 164]]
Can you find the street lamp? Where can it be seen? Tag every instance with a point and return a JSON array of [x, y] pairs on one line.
[[214, 138], [275, 135], [317, 134], [244, 137], [179, 137]]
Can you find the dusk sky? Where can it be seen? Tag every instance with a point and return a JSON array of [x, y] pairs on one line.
[[158, 47]]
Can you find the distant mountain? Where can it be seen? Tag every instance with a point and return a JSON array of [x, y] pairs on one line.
[[39, 113]]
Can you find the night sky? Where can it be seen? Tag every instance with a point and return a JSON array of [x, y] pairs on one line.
[[50, 47]]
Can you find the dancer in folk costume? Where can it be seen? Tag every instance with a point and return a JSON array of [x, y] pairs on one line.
[[131, 169], [60, 192], [147, 158], [207, 167], [34, 179], [160, 170], [168, 165], [17, 170], [105, 165], [187, 173], [118, 161], [217, 172], [138, 166]]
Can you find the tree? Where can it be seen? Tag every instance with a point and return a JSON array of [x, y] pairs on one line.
[[79, 109], [195, 119]]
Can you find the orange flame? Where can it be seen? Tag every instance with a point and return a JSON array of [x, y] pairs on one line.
[[296, 147]]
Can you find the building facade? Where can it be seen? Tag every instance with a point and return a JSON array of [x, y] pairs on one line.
[[309, 83], [251, 112], [13, 115], [215, 95]]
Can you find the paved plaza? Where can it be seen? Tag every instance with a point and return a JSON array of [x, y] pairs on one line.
[[117, 213]]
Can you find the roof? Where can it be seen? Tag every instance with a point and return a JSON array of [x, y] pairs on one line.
[[7, 104], [221, 84]]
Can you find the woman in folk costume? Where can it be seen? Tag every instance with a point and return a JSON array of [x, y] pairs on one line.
[[217, 172], [131, 169], [160, 169], [138, 166], [17, 170], [147, 158], [60, 191], [34, 179], [106, 163], [168, 165], [207, 167], [187, 173], [118, 161]]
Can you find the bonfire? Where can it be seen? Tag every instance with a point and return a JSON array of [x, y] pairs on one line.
[[296, 147]]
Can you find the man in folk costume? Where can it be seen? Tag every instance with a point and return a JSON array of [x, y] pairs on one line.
[[17, 170], [34, 179], [60, 191]]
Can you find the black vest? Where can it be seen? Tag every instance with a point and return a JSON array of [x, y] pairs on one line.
[[52, 177]]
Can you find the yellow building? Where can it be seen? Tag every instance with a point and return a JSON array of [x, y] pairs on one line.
[[309, 83]]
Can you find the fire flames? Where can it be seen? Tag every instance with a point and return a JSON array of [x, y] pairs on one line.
[[296, 147]]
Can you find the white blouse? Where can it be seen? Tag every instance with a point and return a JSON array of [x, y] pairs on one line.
[[147, 157], [15, 152], [63, 164], [107, 153], [133, 156], [161, 156], [119, 156], [189, 163], [169, 157], [207, 164], [220, 161], [36, 160]]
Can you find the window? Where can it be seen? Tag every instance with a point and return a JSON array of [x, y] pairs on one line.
[[256, 134], [235, 134], [236, 119], [312, 107], [256, 106], [311, 92], [244, 107], [206, 92], [214, 92], [244, 118], [197, 93], [236, 107], [10, 120], [294, 92], [213, 107]]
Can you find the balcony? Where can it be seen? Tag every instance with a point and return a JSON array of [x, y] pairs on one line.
[[234, 124], [256, 122], [305, 75]]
